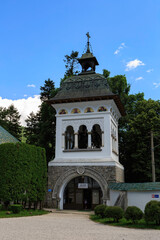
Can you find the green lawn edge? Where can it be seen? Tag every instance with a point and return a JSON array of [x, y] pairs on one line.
[[124, 223], [24, 213]]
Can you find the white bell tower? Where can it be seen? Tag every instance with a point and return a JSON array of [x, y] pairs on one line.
[[87, 114]]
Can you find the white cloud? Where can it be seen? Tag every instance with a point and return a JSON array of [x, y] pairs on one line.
[[133, 64], [25, 95], [31, 85], [149, 70], [119, 48], [156, 85], [139, 78], [24, 106]]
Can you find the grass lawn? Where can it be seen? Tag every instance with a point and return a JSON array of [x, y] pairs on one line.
[[124, 223], [24, 213]]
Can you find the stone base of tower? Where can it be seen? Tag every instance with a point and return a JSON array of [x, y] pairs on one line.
[[60, 176]]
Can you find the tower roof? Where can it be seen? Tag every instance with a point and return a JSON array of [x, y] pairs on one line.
[[87, 86], [6, 137]]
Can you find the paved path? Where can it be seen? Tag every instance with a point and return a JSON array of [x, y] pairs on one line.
[[67, 226]]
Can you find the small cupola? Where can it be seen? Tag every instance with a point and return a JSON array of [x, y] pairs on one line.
[[88, 61]]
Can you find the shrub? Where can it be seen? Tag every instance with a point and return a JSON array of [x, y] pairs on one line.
[[133, 213], [152, 212], [24, 173], [99, 210], [16, 208], [0, 207], [114, 212]]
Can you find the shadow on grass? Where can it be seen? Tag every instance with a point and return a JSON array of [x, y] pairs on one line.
[[124, 223], [24, 213]]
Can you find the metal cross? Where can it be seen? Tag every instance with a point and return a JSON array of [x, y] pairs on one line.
[[88, 36]]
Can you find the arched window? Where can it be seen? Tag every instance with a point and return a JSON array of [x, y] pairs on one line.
[[76, 110], [88, 110], [102, 109], [69, 138], [82, 137], [63, 111], [96, 136]]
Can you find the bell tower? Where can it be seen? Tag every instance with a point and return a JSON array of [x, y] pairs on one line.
[[88, 61], [86, 154]]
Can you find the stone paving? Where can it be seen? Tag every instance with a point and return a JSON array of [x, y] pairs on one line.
[[67, 225]]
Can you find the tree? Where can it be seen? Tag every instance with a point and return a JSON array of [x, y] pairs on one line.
[[32, 129], [118, 85], [71, 65], [10, 120], [40, 128], [138, 142]]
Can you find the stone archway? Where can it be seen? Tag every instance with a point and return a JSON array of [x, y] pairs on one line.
[[63, 180]]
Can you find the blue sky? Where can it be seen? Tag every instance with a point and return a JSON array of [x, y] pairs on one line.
[[35, 36]]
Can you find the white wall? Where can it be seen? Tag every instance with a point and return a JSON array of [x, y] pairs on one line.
[[136, 198], [139, 199], [113, 197], [88, 119]]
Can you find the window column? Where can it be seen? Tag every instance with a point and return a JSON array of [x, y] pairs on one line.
[[102, 138], [76, 140], [89, 140], [63, 140]]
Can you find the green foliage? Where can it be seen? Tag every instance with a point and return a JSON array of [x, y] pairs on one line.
[[71, 63], [141, 224], [137, 138], [152, 212], [40, 129], [142, 116], [99, 210], [10, 120], [0, 207], [16, 208], [114, 212], [118, 85], [24, 173], [133, 213], [24, 213]]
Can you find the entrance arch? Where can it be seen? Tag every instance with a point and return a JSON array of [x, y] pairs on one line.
[[82, 192], [59, 188]]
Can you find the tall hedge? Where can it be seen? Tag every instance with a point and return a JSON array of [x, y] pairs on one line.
[[23, 172]]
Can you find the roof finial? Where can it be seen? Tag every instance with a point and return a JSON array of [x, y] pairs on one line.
[[88, 37]]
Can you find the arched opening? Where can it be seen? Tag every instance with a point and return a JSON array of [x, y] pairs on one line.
[[82, 137], [69, 138], [96, 136], [82, 192]]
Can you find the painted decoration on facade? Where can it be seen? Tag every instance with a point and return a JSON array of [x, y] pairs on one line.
[[76, 110], [88, 110], [102, 109], [63, 111]]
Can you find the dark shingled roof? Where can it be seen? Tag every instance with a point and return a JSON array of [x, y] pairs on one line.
[[86, 87], [6, 137], [147, 186]]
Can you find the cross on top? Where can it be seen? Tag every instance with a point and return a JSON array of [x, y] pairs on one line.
[[88, 36]]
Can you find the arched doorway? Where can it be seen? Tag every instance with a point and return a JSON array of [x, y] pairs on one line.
[[82, 192]]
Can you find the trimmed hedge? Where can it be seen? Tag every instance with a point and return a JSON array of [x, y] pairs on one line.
[[99, 210], [16, 208], [114, 212], [133, 213], [23, 174], [152, 212]]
